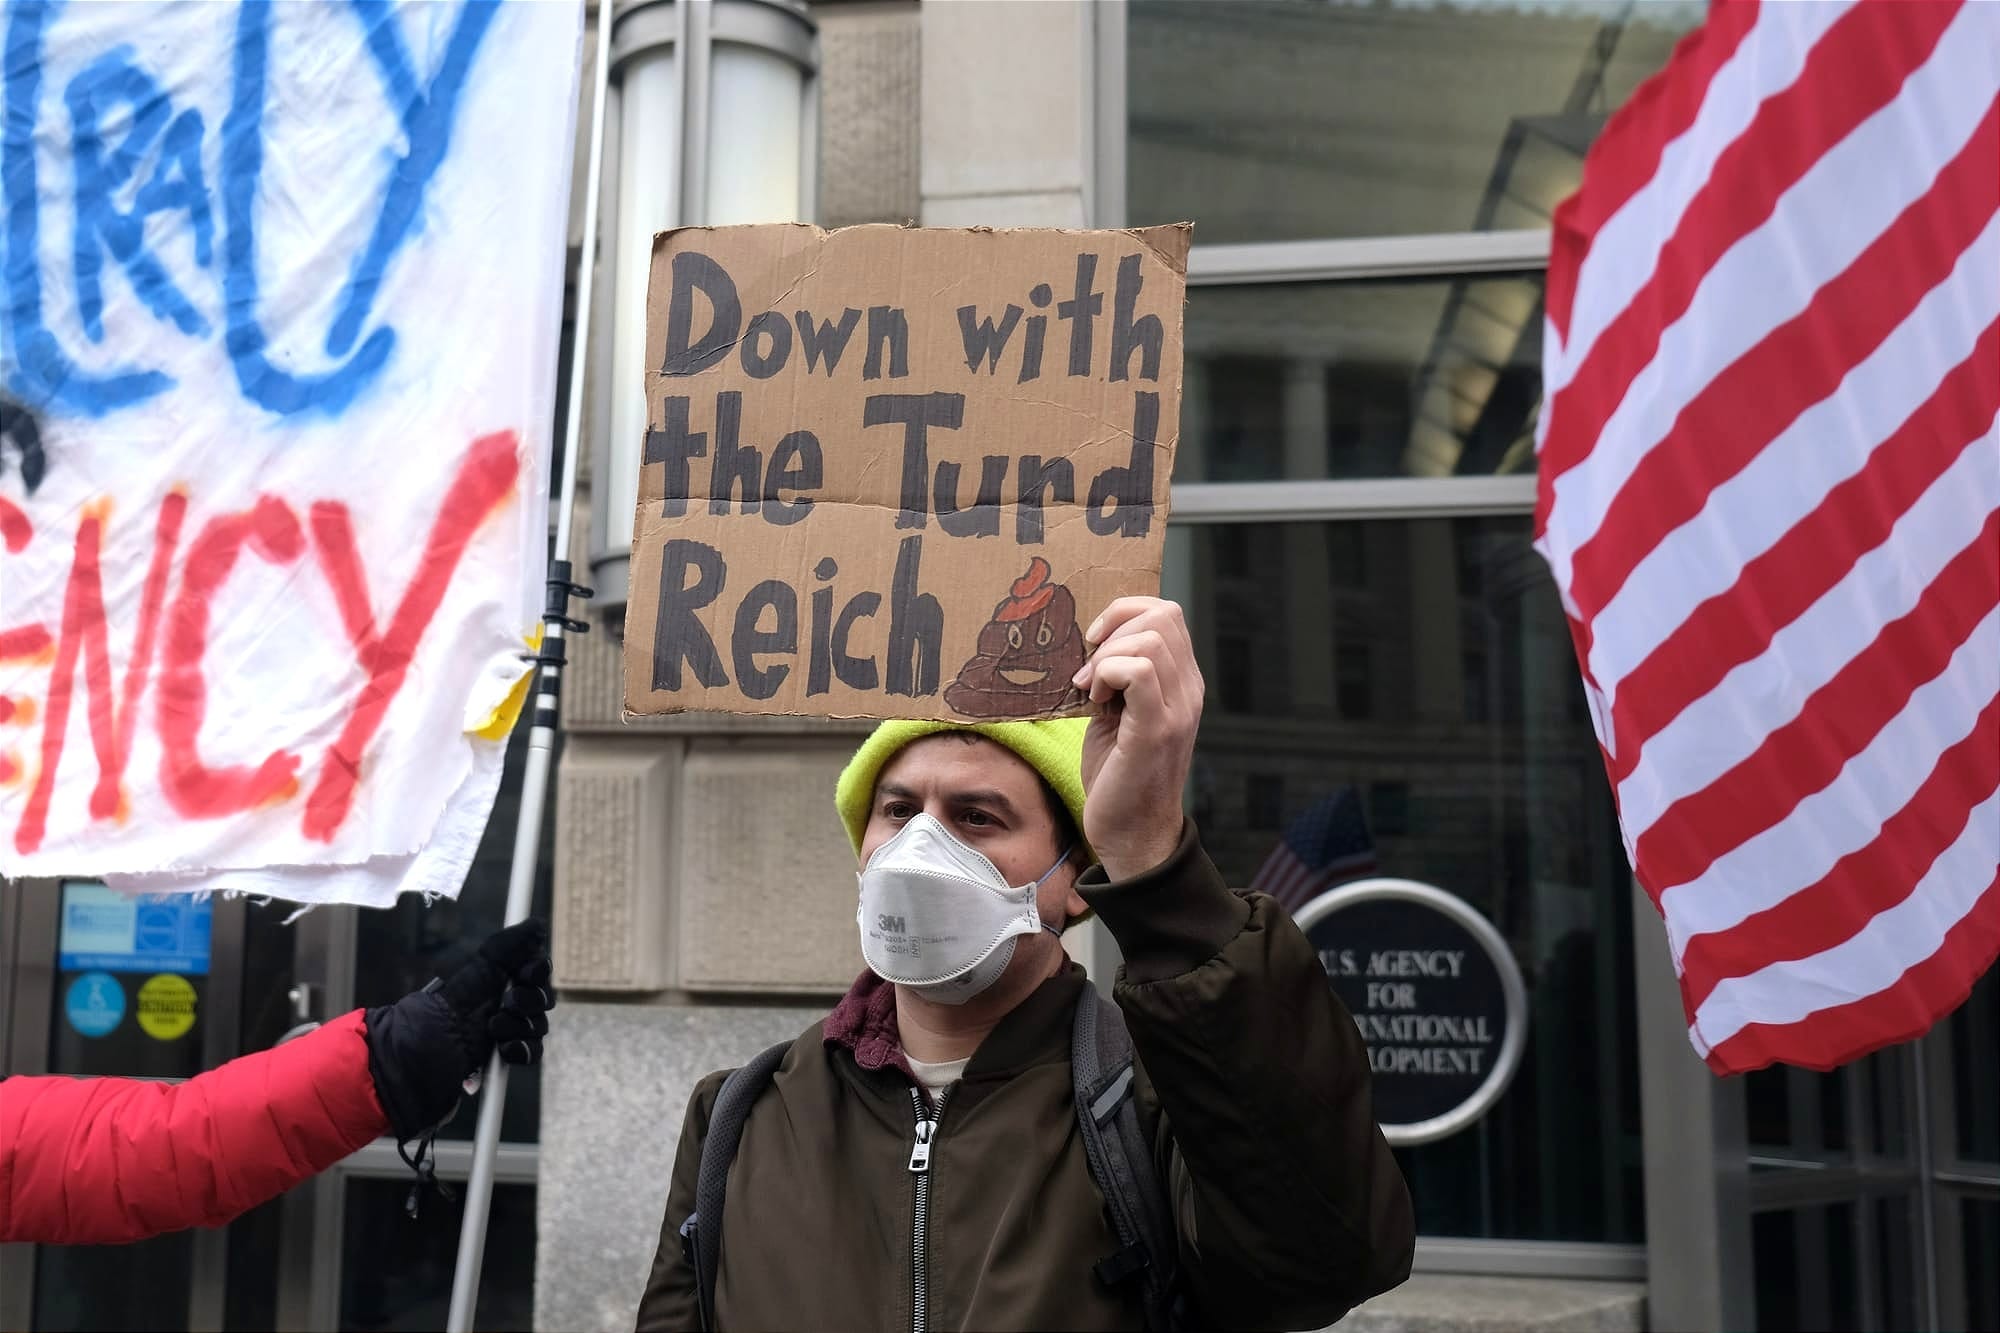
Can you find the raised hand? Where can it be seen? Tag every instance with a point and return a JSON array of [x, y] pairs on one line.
[[1148, 691]]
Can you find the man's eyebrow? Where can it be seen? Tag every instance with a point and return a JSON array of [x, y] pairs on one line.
[[983, 796], [986, 796]]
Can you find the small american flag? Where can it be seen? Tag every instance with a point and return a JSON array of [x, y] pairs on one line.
[[1770, 497], [1328, 842]]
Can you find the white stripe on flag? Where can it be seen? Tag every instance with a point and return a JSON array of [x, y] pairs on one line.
[[1725, 726], [1849, 812], [1829, 442], [1871, 960]]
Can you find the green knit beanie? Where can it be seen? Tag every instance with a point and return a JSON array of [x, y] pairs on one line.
[[1052, 747]]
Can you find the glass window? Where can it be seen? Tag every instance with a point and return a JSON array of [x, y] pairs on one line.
[[1980, 1219], [1796, 1112], [141, 1287], [1860, 1109], [1894, 1262], [1354, 680], [1844, 1265], [1885, 1093], [1431, 377], [394, 1275], [1974, 1033], [1508, 810], [1389, 808], [1804, 1260], [1264, 801], [250, 1297], [1274, 120]]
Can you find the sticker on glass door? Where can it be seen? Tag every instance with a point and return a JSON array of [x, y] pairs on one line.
[[109, 931], [94, 1003]]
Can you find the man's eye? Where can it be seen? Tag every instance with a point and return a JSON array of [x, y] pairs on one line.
[[897, 810], [978, 818]]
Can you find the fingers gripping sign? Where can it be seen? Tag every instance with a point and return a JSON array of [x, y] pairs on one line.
[[1147, 692]]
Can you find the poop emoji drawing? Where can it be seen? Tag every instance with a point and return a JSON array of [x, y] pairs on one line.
[[1025, 655]]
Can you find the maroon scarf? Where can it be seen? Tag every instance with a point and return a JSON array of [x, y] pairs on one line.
[[865, 1023]]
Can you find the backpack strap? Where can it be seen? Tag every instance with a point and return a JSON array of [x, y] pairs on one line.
[[1121, 1162], [701, 1240]]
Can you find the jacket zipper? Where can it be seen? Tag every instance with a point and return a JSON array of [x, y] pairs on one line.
[[920, 1167]]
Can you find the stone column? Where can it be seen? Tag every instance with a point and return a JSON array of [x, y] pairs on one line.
[[1007, 118]]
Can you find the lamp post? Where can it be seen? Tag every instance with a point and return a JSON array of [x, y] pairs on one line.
[[712, 119]]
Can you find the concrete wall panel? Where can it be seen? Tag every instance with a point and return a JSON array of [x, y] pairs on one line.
[[766, 875]]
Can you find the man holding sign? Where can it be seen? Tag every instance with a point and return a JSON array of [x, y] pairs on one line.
[[923, 475], [933, 1153]]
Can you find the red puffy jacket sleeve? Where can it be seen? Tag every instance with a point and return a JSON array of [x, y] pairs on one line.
[[97, 1161]]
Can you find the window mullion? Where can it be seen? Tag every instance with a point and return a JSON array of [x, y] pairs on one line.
[[1446, 255], [1375, 498]]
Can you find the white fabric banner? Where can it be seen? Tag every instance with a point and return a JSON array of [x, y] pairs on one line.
[[283, 291]]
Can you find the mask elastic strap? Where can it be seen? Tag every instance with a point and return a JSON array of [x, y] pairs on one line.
[[1053, 930], [1052, 869]]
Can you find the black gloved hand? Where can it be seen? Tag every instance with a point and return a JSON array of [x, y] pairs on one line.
[[502, 997], [422, 1048]]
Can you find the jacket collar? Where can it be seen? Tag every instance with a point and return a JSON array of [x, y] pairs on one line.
[[864, 1024], [1035, 1032]]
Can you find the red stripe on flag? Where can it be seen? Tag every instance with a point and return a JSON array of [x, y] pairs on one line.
[[1853, 72], [1801, 362], [1836, 722], [1779, 585], [1629, 148], [1280, 874], [1905, 1010], [1862, 883]]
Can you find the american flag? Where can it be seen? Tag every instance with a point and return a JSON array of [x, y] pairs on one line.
[[1769, 492], [1328, 842]]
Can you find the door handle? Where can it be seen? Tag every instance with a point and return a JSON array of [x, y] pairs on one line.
[[303, 1020]]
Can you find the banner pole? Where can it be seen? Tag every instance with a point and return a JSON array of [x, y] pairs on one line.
[[549, 660]]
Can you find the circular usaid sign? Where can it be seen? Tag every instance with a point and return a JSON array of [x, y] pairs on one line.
[[1437, 996]]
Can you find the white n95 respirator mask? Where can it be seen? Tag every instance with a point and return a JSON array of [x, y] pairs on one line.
[[938, 917]]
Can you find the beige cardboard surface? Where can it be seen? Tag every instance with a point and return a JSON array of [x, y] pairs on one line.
[[895, 472]]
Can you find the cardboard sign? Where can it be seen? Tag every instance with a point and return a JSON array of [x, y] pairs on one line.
[[894, 472]]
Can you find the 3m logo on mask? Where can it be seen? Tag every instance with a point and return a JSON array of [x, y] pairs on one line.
[[891, 925]]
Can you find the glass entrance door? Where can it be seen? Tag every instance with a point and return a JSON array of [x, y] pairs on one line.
[[94, 983], [1875, 1189], [99, 984], [1962, 1166]]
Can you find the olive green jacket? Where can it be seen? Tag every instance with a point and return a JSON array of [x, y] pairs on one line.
[[1253, 1085]]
